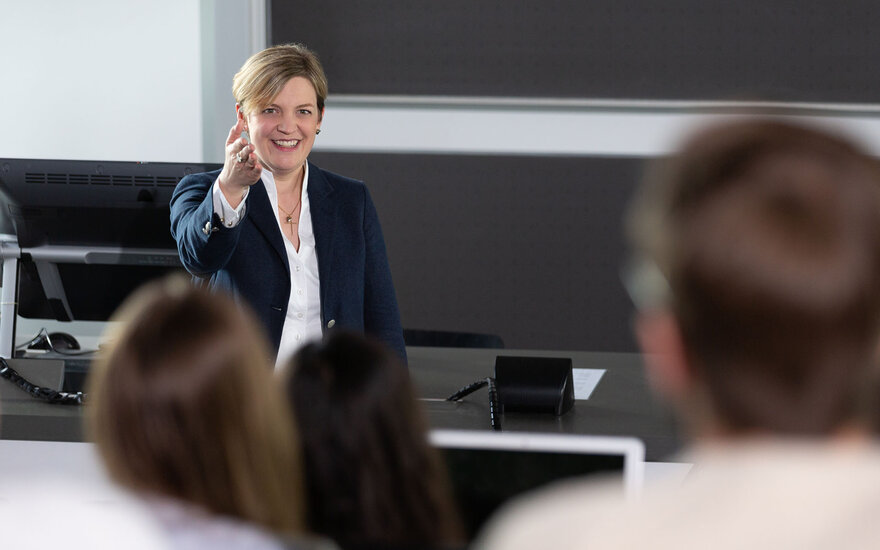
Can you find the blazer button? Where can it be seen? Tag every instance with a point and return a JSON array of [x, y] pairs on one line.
[[331, 323]]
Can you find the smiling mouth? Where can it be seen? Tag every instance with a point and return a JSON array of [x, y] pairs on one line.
[[286, 143]]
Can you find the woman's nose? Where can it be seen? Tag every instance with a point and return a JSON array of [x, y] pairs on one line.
[[287, 124]]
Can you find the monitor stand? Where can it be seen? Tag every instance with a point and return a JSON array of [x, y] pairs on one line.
[[47, 257]]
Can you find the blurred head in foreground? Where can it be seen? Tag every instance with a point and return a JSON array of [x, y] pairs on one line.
[[757, 278], [182, 405], [372, 477]]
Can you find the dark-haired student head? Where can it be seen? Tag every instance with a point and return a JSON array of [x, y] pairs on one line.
[[765, 241], [372, 478], [184, 411]]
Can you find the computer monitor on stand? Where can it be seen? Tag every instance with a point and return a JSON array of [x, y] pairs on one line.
[[77, 237]]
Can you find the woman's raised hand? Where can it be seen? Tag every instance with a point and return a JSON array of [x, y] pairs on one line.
[[241, 168]]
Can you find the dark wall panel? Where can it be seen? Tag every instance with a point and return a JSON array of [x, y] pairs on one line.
[[792, 50], [528, 248]]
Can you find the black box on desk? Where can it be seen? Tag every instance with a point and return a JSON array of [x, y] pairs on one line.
[[534, 384]]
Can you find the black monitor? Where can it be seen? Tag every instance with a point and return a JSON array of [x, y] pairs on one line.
[[89, 232], [488, 469]]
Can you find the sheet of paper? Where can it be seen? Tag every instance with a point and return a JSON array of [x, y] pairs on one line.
[[585, 381]]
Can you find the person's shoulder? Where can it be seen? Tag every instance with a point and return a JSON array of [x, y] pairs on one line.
[[337, 181], [189, 526], [192, 188], [50, 508], [201, 177]]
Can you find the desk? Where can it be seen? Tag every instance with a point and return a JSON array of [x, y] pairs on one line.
[[621, 404], [23, 417]]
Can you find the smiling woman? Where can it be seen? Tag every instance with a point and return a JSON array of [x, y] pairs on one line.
[[301, 245]]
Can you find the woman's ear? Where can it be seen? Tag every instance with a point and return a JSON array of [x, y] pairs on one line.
[[666, 360]]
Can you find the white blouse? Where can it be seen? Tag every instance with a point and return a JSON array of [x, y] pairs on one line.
[[302, 322]]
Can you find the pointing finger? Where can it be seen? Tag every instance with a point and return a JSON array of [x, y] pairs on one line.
[[235, 132]]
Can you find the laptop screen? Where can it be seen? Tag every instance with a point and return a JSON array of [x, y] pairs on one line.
[[487, 469]]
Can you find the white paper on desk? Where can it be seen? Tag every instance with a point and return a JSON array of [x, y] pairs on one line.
[[585, 381]]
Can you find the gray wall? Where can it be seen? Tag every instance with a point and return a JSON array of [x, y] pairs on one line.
[[788, 50], [502, 140], [528, 248]]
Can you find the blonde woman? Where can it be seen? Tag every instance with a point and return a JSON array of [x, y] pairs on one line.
[[301, 245]]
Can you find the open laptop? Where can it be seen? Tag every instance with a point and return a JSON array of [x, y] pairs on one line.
[[486, 469]]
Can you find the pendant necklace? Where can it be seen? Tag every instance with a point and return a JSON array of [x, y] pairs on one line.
[[289, 215]]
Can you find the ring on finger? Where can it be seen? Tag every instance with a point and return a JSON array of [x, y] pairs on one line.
[[239, 157]]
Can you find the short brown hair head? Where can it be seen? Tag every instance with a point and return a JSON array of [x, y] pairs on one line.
[[768, 235], [183, 405], [372, 476], [265, 73]]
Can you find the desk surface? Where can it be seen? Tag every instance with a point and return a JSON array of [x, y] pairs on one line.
[[621, 404]]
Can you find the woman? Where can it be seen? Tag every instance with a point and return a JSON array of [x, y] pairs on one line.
[[184, 413], [301, 245], [372, 478]]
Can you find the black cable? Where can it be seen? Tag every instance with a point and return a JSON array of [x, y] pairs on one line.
[[467, 390], [40, 337], [494, 408], [44, 336], [39, 392]]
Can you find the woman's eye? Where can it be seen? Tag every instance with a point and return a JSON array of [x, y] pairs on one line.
[[305, 112], [269, 110]]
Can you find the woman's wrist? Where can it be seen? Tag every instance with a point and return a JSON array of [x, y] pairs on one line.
[[233, 194]]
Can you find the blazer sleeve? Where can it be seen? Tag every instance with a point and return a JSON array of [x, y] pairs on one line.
[[205, 245], [381, 315]]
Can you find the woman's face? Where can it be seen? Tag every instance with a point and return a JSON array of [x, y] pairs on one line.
[[284, 131]]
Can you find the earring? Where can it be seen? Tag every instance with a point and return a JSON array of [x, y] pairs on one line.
[[318, 131]]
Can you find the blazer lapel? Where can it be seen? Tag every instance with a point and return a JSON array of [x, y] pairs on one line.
[[259, 210], [323, 210]]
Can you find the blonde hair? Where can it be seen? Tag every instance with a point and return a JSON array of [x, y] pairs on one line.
[[183, 405], [265, 73]]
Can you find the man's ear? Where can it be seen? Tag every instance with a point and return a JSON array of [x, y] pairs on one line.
[[666, 361]]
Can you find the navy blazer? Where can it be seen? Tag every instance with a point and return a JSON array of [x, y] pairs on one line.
[[249, 260]]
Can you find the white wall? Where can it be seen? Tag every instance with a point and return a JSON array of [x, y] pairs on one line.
[[547, 126], [101, 79]]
